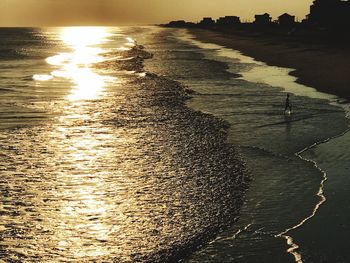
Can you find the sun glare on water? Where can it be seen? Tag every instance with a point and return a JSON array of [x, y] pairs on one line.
[[76, 65], [87, 219]]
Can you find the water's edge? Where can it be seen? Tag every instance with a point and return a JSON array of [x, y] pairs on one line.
[[293, 247], [220, 128]]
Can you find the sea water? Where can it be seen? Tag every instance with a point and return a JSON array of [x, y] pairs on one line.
[[101, 161]]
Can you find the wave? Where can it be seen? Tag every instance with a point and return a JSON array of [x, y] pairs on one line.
[[12, 54], [172, 95]]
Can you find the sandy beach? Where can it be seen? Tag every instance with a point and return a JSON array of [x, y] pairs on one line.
[[322, 66]]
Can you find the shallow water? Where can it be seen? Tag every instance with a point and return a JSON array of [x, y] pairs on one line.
[[250, 96], [330, 229]]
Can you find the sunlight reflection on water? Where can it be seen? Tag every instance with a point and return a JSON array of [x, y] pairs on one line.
[[76, 65], [84, 209], [114, 169], [78, 217]]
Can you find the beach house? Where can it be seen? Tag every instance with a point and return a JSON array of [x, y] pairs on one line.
[[207, 22], [178, 23], [262, 20], [325, 13], [286, 20], [228, 21]]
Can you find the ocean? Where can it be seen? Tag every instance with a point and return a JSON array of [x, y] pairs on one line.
[[142, 144]]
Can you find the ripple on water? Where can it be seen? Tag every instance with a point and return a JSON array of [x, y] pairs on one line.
[[133, 176]]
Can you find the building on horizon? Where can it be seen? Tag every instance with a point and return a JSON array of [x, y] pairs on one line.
[[207, 22], [329, 13], [180, 24], [177, 23], [286, 20], [263, 20], [228, 21]]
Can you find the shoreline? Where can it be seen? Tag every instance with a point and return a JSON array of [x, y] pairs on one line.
[[322, 67], [293, 245], [190, 133]]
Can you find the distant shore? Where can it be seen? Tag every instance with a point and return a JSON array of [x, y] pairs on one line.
[[324, 67]]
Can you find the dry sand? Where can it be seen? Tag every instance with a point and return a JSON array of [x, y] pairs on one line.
[[322, 66]]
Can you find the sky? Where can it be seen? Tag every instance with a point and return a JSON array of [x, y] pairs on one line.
[[118, 12]]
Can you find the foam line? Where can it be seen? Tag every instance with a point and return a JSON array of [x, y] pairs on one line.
[[322, 199]]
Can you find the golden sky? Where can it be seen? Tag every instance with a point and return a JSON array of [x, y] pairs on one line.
[[118, 12]]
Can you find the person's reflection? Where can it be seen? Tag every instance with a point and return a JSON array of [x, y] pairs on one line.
[[288, 120]]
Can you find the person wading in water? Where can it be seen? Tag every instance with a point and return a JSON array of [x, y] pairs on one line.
[[288, 105]]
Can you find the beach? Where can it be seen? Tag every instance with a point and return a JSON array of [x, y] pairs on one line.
[[291, 190], [324, 66]]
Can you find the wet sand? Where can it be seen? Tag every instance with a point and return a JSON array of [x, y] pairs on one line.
[[322, 66]]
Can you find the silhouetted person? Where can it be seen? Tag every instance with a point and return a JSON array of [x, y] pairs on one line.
[[288, 104]]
